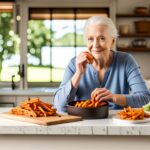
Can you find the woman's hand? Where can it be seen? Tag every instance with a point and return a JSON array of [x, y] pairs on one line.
[[103, 94], [82, 60]]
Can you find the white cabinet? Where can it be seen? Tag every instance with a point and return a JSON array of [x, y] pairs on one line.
[[10, 98], [7, 101]]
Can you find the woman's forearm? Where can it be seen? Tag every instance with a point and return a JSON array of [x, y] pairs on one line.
[[76, 79], [119, 99]]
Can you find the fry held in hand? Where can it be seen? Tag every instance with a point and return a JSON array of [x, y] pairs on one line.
[[34, 108], [89, 56]]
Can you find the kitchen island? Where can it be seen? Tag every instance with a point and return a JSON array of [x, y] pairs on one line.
[[85, 134]]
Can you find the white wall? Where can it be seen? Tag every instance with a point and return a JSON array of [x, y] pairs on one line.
[[128, 6]]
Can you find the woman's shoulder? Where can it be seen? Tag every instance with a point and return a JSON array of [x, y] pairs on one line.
[[123, 55], [126, 59], [72, 63]]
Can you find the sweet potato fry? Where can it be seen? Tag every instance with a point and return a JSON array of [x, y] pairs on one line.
[[89, 57], [34, 108], [132, 114], [90, 103], [45, 106]]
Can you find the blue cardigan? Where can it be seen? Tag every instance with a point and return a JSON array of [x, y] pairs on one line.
[[122, 77]]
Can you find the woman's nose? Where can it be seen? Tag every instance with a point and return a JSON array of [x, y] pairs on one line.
[[96, 43]]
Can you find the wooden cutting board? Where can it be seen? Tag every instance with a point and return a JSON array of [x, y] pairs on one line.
[[51, 120]]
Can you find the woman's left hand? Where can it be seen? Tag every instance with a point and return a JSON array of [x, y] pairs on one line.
[[103, 94]]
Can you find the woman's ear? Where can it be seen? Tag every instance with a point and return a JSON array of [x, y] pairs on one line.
[[113, 43]]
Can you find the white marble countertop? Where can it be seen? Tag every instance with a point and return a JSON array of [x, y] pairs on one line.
[[85, 127]]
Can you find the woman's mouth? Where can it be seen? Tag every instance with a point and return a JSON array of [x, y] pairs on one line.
[[98, 51]]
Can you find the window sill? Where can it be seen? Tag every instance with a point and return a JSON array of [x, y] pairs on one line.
[[29, 91]]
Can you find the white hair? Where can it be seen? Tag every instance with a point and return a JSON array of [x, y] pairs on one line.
[[102, 20]]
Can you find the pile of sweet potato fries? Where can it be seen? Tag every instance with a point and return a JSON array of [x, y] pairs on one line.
[[132, 114], [34, 108], [90, 103]]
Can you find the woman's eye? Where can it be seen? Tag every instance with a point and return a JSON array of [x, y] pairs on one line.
[[102, 38], [90, 39]]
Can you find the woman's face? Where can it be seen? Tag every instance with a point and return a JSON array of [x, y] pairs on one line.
[[99, 41]]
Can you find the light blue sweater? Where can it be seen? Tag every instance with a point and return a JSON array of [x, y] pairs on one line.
[[122, 77]]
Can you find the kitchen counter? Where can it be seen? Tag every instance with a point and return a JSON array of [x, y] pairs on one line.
[[106, 126], [96, 133]]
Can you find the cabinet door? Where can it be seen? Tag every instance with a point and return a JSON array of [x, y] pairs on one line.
[[7, 101], [47, 99]]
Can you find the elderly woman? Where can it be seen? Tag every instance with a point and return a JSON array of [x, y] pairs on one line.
[[112, 75]]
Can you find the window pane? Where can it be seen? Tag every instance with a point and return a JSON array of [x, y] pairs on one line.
[[80, 49], [61, 56], [60, 59], [9, 48], [63, 32], [38, 51], [79, 32]]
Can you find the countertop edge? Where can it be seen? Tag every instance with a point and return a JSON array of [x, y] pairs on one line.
[[100, 127]]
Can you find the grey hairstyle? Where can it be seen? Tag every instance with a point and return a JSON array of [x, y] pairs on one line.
[[102, 20]]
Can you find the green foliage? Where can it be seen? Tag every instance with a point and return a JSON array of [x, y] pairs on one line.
[[69, 40], [38, 36], [9, 41], [80, 40], [66, 40]]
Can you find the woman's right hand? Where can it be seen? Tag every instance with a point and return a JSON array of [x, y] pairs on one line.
[[82, 60]]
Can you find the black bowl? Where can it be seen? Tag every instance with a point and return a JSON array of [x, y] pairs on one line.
[[88, 113]]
